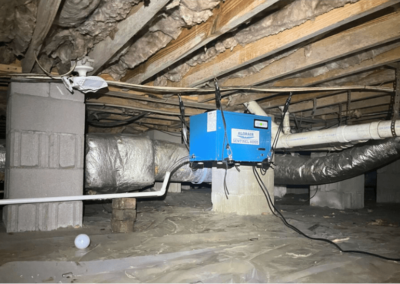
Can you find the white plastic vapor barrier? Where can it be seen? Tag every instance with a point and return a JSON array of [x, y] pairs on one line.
[[161, 192]]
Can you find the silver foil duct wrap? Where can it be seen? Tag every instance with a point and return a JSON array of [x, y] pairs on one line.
[[123, 162], [166, 154], [303, 170], [118, 163], [2, 158]]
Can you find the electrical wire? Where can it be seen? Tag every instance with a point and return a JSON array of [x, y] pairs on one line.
[[118, 123], [285, 222], [228, 147]]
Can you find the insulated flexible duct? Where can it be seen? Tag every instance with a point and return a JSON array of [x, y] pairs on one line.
[[124, 162], [303, 170]]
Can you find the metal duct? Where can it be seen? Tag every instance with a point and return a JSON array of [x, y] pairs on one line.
[[2, 158], [302, 170], [167, 153], [123, 162], [118, 163]]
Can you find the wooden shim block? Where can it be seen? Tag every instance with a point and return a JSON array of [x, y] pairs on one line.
[[124, 214], [124, 203], [121, 226]]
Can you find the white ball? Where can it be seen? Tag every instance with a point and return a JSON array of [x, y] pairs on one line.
[[82, 241]]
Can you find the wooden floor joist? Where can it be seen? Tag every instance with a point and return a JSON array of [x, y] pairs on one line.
[[228, 16], [327, 50], [125, 30], [379, 101], [229, 61], [47, 11], [375, 78]]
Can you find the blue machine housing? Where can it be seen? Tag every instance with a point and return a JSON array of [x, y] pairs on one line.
[[249, 137]]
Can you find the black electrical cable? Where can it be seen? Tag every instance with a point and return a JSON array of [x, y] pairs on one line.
[[285, 109], [118, 123], [228, 147], [184, 125], [285, 222]]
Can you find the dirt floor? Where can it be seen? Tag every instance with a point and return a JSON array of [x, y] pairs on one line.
[[179, 239]]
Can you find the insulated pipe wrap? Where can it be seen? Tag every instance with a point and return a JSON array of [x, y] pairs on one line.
[[303, 170]]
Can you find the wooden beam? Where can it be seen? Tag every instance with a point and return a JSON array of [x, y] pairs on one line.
[[282, 67], [382, 100], [229, 16], [126, 29], [130, 104], [10, 68], [379, 77], [47, 11], [363, 112], [241, 56], [168, 101]]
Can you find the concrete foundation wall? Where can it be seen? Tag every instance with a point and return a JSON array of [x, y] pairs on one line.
[[388, 183], [245, 195], [347, 194], [45, 151]]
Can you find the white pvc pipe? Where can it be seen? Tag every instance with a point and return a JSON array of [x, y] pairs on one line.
[[161, 192], [342, 134]]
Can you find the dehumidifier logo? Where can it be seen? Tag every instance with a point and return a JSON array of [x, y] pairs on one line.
[[243, 136]]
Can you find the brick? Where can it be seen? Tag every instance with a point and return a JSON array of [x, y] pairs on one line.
[[121, 226], [124, 214], [124, 203]]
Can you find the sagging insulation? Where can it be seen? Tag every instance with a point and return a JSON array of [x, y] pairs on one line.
[[123, 162], [303, 170]]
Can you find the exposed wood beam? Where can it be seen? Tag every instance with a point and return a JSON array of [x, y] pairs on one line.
[[383, 100], [130, 104], [229, 16], [363, 112], [119, 111], [168, 101], [241, 56], [47, 11], [126, 29], [10, 68], [373, 34], [368, 35], [379, 77], [378, 61]]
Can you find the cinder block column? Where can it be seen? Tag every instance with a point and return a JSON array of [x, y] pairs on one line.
[[172, 187], [245, 195], [388, 183], [45, 150], [346, 194]]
